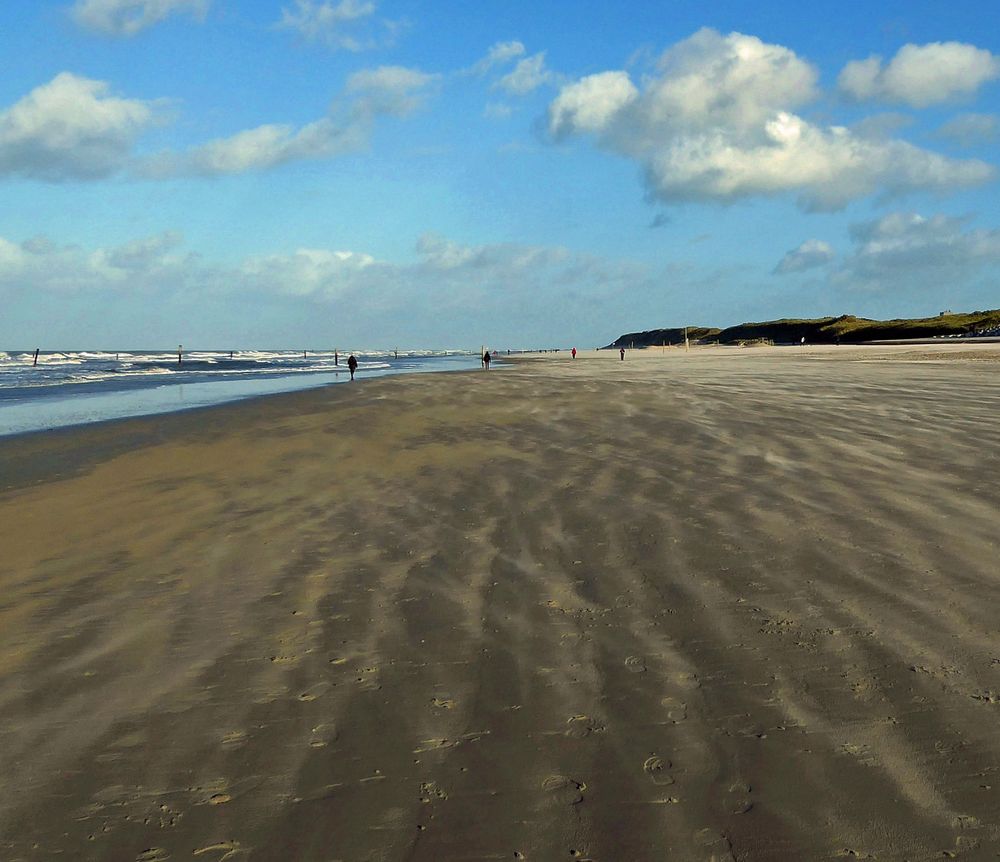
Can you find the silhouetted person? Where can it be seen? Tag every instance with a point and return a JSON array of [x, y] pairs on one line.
[[622, 351], [352, 365], [486, 360]]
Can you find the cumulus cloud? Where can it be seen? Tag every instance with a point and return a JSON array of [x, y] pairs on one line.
[[527, 76], [71, 128], [715, 123], [921, 75], [828, 168], [259, 149], [333, 24], [317, 273], [499, 54], [128, 17], [881, 126], [394, 90], [42, 264], [811, 254], [442, 273], [908, 250], [589, 105], [451, 270], [968, 130]]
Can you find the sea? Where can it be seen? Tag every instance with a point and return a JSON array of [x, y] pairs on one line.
[[65, 388]]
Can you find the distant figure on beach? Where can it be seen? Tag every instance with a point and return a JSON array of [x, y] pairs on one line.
[[621, 350], [573, 351], [486, 359], [352, 365]]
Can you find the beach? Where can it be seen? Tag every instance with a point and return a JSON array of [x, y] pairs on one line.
[[725, 604]]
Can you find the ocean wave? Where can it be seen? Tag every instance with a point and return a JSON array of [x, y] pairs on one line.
[[73, 369]]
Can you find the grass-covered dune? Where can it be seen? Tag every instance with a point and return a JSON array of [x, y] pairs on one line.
[[845, 329]]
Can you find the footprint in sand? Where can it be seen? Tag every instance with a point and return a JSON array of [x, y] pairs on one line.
[[581, 726], [225, 849], [442, 703], [564, 790], [635, 664], [738, 798], [676, 709], [323, 734], [429, 792], [658, 770], [154, 854], [862, 753], [686, 680], [234, 739], [716, 843]]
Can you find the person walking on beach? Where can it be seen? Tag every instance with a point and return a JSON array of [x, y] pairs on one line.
[[352, 365], [622, 351], [486, 359], [573, 351]]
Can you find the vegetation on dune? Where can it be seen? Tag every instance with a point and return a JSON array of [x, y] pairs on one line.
[[846, 329], [658, 337]]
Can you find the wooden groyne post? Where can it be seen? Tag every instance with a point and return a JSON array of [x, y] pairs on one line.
[[180, 350], [35, 363]]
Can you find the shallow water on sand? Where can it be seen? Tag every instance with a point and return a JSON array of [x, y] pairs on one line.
[[67, 389]]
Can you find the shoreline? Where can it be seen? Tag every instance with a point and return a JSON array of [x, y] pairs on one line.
[[91, 442], [672, 607], [96, 396]]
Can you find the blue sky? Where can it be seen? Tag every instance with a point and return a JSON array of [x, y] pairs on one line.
[[318, 173]]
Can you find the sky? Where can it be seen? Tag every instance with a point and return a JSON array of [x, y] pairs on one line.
[[310, 174]]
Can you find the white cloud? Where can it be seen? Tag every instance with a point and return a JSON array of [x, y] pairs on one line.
[[41, 264], [499, 54], [128, 17], [737, 81], [703, 83], [394, 90], [387, 90], [968, 130], [881, 126], [811, 254], [443, 273], [827, 168], [921, 75], [70, 129], [905, 251], [715, 124], [527, 76], [259, 149], [329, 22], [308, 272], [589, 104]]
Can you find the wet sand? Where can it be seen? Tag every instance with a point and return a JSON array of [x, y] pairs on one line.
[[732, 604]]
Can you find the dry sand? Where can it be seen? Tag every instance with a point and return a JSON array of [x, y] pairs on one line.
[[723, 605]]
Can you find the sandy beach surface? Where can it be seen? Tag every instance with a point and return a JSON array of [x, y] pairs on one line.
[[719, 605]]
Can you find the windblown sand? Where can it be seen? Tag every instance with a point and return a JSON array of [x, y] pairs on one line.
[[719, 605]]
